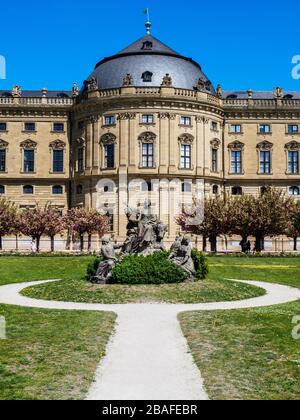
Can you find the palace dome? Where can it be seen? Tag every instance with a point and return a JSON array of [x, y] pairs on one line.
[[148, 61]]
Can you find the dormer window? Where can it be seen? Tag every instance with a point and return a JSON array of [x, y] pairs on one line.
[[147, 45], [231, 97], [147, 77]]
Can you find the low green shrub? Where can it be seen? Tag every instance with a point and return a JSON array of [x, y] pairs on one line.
[[153, 269], [201, 264], [92, 268]]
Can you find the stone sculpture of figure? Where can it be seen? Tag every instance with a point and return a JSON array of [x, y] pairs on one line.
[[128, 80], [200, 84], [167, 81], [75, 89], [181, 255], [278, 92], [160, 230], [104, 271], [250, 94], [16, 91], [219, 91], [91, 84]]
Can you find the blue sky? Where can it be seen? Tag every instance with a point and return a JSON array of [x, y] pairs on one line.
[[239, 44]]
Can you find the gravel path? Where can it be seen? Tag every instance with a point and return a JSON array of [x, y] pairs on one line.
[[148, 357]]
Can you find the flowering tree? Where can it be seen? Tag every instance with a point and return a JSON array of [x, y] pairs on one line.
[[54, 224], [215, 223], [241, 215], [293, 229], [270, 214], [84, 222], [32, 222], [7, 218]]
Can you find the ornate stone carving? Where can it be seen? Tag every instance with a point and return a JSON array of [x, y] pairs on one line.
[[278, 92], [108, 138], [186, 139], [28, 144], [265, 146], [293, 146], [127, 116], [219, 91], [80, 142], [3, 144], [75, 90], [250, 94], [91, 85], [203, 85], [16, 91], [166, 115], [215, 143], [128, 80], [236, 146], [147, 137], [167, 81], [57, 145]]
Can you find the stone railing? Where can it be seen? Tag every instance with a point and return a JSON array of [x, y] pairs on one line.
[[262, 103], [36, 101]]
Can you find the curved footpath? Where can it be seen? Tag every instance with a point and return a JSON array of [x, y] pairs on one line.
[[148, 357]]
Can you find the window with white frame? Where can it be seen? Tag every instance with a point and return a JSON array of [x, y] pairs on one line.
[[293, 129], [264, 128], [147, 155], [187, 121], [109, 120], [293, 162], [235, 128], [294, 191], [185, 159], [147, 119]]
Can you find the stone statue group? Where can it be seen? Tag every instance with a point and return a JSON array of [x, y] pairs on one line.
[[145, 235]]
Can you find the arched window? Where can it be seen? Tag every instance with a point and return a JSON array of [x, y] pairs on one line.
[[147, 77], [186, 187], [28, 189], [237, 191], [2, 189], [79, 189], [57, 190], [294, 191], [215, 190]]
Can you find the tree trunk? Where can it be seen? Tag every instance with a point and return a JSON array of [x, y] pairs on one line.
[[81, 243], [1, 245], [52, 243], [259, 243], [17, 243], [204, 244], [213, 244], [89, 243], [295, 244], [38, 240]]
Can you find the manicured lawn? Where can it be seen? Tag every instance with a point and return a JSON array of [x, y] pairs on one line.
[[51, 354], [22, 269], [202, 291], [248, 354]]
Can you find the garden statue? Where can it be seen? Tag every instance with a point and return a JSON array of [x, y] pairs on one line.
[[181, 255], [104, 271], [145, 233]]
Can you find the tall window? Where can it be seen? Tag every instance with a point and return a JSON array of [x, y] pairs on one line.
[[293, 129], [236, 162], [80, 159], [214, 160], [185, 161], [293, 166], [58, 161], [109, 155], [2, 160], [29, 126], [147, 155], [147, 119], [29, 160], [265, 162], [235, 128], [264, 128], [186, 121]]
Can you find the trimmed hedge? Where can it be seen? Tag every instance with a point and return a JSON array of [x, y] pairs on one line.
[[153, 269], [201, 264]]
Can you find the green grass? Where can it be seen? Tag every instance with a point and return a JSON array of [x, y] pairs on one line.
[[22, 269], [201, 291], [248, 354], [49, 354]]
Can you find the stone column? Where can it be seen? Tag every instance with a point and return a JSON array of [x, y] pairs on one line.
[[163, 142], [200, 147], [172, 144], [96, 147]]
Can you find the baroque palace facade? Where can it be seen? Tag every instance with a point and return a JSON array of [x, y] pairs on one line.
[[147, 123]]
